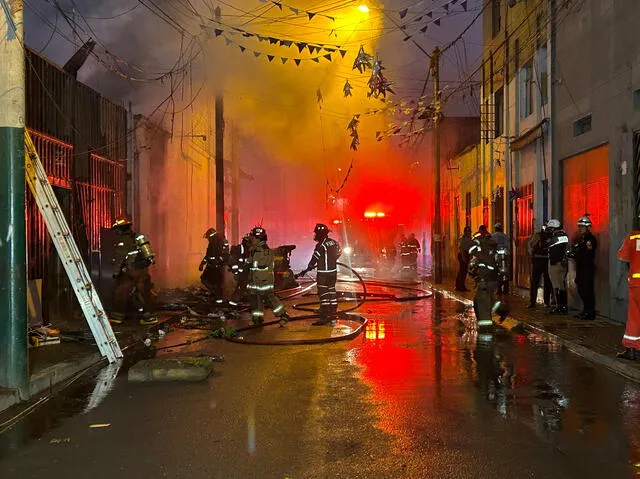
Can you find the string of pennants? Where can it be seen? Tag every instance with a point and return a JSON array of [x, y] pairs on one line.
[[313, 48], [429, 16], [297, 11]]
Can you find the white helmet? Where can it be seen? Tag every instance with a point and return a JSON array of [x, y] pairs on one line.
[[585, 221], [553, 223]]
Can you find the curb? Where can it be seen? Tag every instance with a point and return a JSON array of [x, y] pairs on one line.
[[616, 365], [57, 373]]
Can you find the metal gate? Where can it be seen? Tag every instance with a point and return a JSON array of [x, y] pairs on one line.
[[636, 185], [102, 197], [524, 212], [57, 159]]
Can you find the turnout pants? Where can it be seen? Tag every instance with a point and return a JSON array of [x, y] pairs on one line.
[[631, 338], [483, 302], [585, 277], [540, 269], [463, 269], [138, 282], [213, 279], [327, 294], [258, 302]]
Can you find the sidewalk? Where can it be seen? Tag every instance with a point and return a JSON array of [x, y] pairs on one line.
[[51, 365], [597, 341]]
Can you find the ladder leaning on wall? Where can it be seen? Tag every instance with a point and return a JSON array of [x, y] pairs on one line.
[[69, 254]]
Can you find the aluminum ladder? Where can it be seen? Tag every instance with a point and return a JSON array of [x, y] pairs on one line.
[[69, 254]]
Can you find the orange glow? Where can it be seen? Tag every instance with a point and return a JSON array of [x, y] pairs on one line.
[[337, 222], [369, 214], [380, 215], [363, 9], [375, 330]]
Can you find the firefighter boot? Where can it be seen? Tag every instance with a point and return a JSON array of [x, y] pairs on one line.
[[148, 319], [284, 319], [629, 353]]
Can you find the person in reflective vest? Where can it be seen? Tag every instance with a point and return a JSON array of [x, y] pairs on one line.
[[409, 249], [502, 258], [583, 252], [260, 286], [538, 248], [483, 269], [213, 263], [237, 262], [132, 258], [629, 252], [558, 245], [325, 258]]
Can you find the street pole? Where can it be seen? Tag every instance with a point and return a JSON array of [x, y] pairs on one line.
[[219, 126], [13, 270], [436, 230], [235, 188], [507, 131]]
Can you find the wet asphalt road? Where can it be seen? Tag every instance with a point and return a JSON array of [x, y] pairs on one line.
[[417, 396]]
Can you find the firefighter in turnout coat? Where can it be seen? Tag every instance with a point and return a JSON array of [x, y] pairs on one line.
[[260, 286], [325, 258]]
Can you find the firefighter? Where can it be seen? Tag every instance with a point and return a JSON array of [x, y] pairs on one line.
[[538, 248], [583, 252], [133, 256], [213, 263], [558, 245], [325, 257], [409, 249], [464, 244], [502, 257], [629, 252], [260, 285], [484, 270], [237, 262]]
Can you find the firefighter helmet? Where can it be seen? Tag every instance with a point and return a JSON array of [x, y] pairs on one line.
[[121, 222], [498, 227], [554, 223], [259, 233], [209, 233], [585, 221], [320, 232]]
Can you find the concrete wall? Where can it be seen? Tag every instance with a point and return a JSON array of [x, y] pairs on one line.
[[598, 70]]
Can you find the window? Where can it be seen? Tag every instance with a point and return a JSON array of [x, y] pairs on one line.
[[485, 211], [582, 125], [467, 209], [498, 101], [495, 17], [543, 76], [525, 86]]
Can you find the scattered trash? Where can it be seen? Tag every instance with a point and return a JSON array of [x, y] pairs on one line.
[[215, 359], [147, 342], [161, 333], [96, 426], [57, 440], [224, 332]]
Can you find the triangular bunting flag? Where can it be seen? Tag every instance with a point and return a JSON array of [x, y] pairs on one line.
[[446, 7], [218, 32], [238, 29], [416, 20], [273, 41], [278, 4], [242, 49], [424, 29], [301, 46], [333, 19], [256, 54], [430, 14], [286, 43], [270, 57], [464, 5], [315, 59], [261, 38], [343, 53], [328, 56], [297, 60], [247, 34], [437, 22], [403, 13], [406, 38], [294, 10], [311, 15], [284, 60], [330, 49]]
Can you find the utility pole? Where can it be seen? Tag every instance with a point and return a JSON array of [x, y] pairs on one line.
[[219, 127], [14, 372], [436, 229], [235, 188], [507, 131]]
